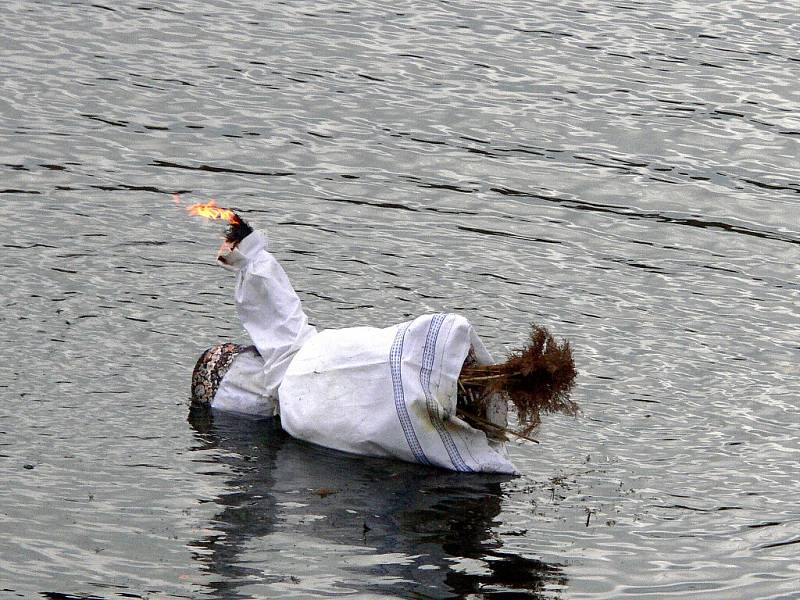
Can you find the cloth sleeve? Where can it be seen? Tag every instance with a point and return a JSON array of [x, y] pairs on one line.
[[268, 307]]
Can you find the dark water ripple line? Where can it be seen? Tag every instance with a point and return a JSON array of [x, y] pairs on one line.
[[789, 542], [659, 217], [393, 206], [214, 169], [656, 171], [132, 188], [628, 165], [506, 234]]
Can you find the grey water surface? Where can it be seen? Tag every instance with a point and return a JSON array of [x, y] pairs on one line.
[[626, 173]]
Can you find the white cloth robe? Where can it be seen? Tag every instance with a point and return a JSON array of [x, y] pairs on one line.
[[371, 391]]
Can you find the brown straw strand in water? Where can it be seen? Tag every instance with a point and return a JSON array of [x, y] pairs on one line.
[[470, 417]]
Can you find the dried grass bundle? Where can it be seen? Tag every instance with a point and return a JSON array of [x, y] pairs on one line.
[[536, 379]]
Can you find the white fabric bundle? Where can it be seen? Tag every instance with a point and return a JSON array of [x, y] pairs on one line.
[[245, 388], [375, 392], [389, 392]]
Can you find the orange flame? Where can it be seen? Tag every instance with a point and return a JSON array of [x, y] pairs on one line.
[[210, 210]]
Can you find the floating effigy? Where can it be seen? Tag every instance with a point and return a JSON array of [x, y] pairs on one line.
[[425, 390]]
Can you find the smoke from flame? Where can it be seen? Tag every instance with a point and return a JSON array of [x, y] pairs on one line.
[[210, 210]]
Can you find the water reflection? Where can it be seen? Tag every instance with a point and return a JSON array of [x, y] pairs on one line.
[[386, 527]]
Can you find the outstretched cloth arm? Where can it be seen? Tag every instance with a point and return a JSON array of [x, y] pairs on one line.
[[267, 305]]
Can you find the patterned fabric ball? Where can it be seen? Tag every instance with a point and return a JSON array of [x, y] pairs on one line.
[[211, 368]]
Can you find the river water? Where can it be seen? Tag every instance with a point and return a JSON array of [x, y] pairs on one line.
[[624, 173]]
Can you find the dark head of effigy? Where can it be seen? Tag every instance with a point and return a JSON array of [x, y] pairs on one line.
[[210, 369]]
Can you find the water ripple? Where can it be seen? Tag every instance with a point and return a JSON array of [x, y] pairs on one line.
[[624, 173]]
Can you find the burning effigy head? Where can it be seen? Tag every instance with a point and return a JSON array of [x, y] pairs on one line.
[[237, 229]]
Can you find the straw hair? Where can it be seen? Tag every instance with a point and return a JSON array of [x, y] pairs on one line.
[[536, 379]]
